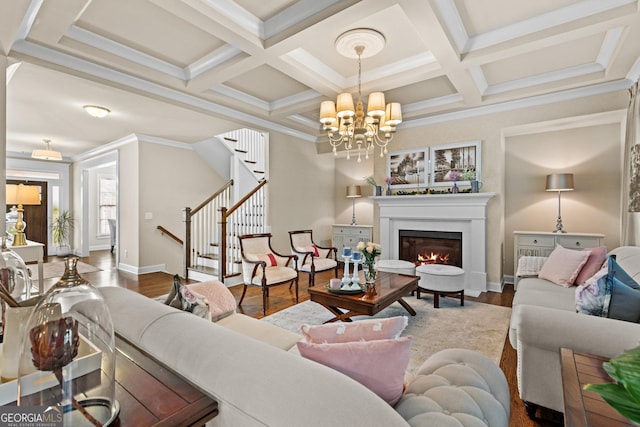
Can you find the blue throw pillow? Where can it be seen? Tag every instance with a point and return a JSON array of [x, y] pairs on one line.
[[622, 294]]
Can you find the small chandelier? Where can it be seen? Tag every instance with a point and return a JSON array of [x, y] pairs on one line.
[[349, 125], [47, 154]]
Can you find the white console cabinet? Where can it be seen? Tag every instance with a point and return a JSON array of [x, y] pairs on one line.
[[539, 243], [349, 235]]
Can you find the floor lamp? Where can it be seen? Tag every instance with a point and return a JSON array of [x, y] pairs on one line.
[[353, 192], [22, 195], [559, 182]]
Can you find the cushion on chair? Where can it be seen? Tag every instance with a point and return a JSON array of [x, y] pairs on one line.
[[320, 264], [276, 274]]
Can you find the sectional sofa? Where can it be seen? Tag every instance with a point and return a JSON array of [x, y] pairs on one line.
[[544, 319], [257, 383]]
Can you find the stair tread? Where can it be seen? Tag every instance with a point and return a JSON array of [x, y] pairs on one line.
[[241, 151], [209, 256], [206, 270]]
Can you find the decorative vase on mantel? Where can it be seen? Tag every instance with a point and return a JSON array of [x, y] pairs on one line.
[[388, 191]]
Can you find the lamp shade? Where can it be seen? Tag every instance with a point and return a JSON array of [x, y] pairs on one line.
[[375, 106], [345, 106], [23, 194], [327, 112], [559, 182], [353, 191], [393, 114], [47, 154]]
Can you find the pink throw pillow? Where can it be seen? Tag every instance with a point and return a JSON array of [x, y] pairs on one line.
[[379, 365], [220, 299], [596, 259], [563, 265], [362, 330], [270, 259]]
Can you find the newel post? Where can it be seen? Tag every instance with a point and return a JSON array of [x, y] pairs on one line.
[[222, 270], [187, 241]]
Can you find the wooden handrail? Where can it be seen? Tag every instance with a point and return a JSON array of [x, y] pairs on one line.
[[170, 234], [213, 196], [244, 199]]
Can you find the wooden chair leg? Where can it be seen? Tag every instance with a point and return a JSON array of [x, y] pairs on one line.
[[296, 280], [265, 294], [530, 409], [462, 297], [244, 291]]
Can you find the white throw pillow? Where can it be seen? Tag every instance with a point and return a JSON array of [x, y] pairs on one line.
[[563, 265]]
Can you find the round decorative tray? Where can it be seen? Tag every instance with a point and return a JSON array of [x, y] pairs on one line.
[[346, 291]]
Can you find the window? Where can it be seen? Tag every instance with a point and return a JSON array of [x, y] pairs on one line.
[[107, 203]]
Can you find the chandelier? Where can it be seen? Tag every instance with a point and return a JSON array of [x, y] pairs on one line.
[[346, 124], [47, 154]]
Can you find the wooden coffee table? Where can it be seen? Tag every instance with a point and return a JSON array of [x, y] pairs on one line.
[[585, 408], [390, 287]]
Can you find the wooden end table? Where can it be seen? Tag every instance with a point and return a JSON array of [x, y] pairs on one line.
[[150, 394], [390, 287], [585, 408]]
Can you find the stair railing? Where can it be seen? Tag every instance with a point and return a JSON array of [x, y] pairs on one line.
[[201, 226], [245, 217]]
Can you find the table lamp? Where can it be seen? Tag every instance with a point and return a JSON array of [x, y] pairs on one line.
[[559, 182], [353, 192], [20, 195]]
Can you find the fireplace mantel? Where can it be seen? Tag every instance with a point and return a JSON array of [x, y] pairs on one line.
[[464, 213]]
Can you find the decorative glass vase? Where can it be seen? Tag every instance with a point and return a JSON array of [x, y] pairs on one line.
[[61, 346], [370, 271], [388, 191]]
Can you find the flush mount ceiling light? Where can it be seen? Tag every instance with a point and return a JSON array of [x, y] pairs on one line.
[[47, 154], [349, 125], [96, 111]]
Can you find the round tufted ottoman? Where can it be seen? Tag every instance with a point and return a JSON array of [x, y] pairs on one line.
[[396, 266], [456, 387], [441, 279]]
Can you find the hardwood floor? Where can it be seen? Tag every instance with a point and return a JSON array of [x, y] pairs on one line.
[[281, 297]]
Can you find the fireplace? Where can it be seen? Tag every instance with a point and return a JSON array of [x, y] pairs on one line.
[[462, 214], [430, 247]]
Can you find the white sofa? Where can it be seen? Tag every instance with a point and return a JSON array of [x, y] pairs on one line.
[[258, 384], [544, 319]]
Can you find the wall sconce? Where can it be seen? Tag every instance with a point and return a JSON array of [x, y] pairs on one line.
[[22, 195], [353, 192], [559, 182]]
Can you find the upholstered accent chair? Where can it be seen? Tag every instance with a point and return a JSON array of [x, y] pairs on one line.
[[312, 258], [262, 266]]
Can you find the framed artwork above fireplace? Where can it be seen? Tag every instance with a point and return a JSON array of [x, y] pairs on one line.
[[408, 168], [459, 162]]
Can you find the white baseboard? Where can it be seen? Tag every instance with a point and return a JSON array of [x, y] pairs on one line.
[[142, 270]]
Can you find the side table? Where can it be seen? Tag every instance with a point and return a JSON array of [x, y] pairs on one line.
[[33, 252], [584, 408]]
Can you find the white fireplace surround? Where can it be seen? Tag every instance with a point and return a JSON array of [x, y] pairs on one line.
[[464, 213]]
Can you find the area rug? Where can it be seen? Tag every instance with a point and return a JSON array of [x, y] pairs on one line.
[[476, 326], [55, 269]]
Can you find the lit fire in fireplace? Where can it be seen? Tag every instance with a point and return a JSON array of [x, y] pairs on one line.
[[433, 258]]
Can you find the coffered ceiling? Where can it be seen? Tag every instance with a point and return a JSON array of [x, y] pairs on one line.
[[185, 70]]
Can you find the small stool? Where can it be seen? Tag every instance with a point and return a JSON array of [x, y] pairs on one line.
[[441, 279], [396, 266]]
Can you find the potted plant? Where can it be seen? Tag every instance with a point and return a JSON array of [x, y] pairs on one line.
[[371, 181], [61, 227], [623, 394]]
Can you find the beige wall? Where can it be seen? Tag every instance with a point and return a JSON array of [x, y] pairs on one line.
[[592, 154], [301, 190], [129, 204], [489, 128], [170, 179]]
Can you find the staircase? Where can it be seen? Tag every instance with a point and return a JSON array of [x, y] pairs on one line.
[[238, 207]]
